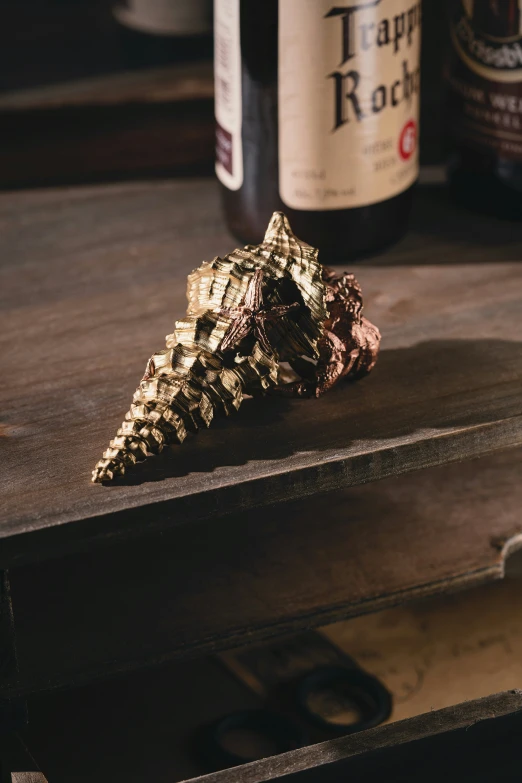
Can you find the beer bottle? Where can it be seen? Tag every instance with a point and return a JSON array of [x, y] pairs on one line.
[[485, 105], [317, 115]]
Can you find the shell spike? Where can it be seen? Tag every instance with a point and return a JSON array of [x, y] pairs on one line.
[[279, 226]]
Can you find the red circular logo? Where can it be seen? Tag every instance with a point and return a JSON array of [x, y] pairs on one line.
[[408, 140]]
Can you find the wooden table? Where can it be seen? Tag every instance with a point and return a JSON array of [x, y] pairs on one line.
[[92, 280], [232, 536]]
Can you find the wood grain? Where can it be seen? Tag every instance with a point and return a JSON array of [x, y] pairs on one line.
[[91, 281], [210, 586]]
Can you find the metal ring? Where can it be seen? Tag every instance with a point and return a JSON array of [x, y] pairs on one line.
[[374, 709], [282, 731]]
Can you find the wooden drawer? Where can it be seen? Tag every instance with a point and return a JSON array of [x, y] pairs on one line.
[[216, 584], [431, 655], [236, 521], [476, 741]]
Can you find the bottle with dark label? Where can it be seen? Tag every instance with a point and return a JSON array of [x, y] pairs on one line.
[[485, 105], [317, 115]]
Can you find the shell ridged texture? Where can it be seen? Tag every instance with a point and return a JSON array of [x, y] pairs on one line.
[[191, 380]]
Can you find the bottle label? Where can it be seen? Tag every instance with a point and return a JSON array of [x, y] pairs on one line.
[[227, 81], [485, 98], [349, 81], [165, 17]]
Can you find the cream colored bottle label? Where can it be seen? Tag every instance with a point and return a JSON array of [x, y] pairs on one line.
[[227, 81], [349, 83]]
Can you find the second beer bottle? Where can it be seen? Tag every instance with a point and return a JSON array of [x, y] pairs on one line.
[[317, 115]]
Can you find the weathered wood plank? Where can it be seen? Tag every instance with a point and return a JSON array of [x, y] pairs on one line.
[[92, 280], [208, 586]]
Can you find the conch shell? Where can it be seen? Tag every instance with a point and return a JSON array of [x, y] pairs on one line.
[[247, 313]]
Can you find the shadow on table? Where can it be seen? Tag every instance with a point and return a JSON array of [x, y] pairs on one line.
[[432, 222], [433, 385]]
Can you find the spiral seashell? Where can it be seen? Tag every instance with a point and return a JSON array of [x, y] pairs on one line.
[[190, 381], [247, 313]]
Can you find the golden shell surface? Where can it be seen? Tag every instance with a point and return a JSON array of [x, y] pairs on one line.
[[189, 381]]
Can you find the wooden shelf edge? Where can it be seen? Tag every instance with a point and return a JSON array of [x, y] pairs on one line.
[[460, 717], [191, 81], [430, 533], [65, 534]]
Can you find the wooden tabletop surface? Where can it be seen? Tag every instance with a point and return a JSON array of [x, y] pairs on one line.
[[91, 280]]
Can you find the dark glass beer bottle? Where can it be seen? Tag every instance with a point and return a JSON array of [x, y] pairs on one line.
[[485, 105], [497, 18], [317, 115]]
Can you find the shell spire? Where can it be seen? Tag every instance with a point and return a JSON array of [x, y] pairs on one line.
[[247, 312]]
